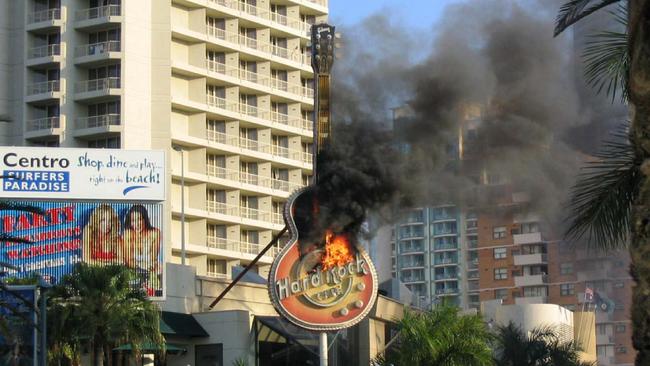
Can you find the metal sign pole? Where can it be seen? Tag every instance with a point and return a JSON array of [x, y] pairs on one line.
[[322, 349]]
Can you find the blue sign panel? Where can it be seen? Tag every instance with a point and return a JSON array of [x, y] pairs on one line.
[[96, 233]]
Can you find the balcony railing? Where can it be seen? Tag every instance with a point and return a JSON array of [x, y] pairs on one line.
[[253, 145], [217, 275], [446, 260], [259, 45], [445, 291], [267, 81], [99, 12], [446, 276], [45, 51], [410, 264], [244, 212], [44, 15], [97, 48], [265, 14], [413, 279], [98, 85], [238, 246], [416, 249], [446, 246], [103, 120], [254, 179], [253, 111], [46, 123], [44, 87]]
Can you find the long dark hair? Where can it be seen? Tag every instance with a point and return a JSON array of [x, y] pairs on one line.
[[143, 212]]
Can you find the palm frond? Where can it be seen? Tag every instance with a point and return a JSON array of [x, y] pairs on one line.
[[601, 201], [607, 61], [575, 10]]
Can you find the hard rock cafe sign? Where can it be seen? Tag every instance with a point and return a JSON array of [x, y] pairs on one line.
[[330, 284], [327, 288]]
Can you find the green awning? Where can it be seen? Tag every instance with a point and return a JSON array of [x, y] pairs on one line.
[[169, 348], [181, 325]]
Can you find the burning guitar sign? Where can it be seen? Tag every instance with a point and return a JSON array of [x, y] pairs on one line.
[[322, 279]]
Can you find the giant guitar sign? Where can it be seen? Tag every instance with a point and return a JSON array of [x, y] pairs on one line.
[[327, 283]]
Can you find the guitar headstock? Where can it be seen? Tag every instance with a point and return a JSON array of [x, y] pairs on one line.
[[322, 48]]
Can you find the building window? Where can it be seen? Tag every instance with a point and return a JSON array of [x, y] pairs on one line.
[[529, 227], [105, 143], [208, 354], [570, 307], [619, 284], [500, 253], [501, 294], [535, 291], [620, 328], [621, 349], [601, 351], [567, 289], [566, 268], [601, 329], [499, 232], [500, 273]]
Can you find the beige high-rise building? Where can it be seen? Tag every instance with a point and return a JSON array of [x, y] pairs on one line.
[[224, 86]]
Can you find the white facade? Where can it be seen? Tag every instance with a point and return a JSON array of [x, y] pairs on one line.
[[228, 83]]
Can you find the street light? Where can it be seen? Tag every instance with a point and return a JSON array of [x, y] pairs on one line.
[[180, 149]]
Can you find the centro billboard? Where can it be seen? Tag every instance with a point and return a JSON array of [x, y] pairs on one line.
[[60, 173], [99, 206]]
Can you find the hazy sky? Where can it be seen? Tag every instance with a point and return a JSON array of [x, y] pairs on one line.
[[419, 13]]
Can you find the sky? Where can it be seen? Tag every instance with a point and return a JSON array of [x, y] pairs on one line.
[[419, 13]]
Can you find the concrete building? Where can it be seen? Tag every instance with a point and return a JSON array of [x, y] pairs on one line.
[[226, 83], [569, 326]]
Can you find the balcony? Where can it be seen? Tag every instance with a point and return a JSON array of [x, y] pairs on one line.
[[44, 55], [236, 7], [44, 20], [239, 246], [238, 213], [247, 44], [442, 247], [98, 18], [97, 52], [44, 91], [530, 238], [530, 280], [97, 88], [446, 276], [43, 127], [242, 110], [530, 259], [237, 178], [217, 275], [411, 264], [252, 145], [262, 80], [446, 291], [531, 300], [96, 126], [412, 279], [445, 261]]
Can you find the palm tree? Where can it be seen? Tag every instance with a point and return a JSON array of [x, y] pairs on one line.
[[100, 308], [540, 347], [440, 337], [627, 209]]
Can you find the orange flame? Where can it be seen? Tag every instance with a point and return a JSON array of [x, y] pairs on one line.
[[338, 251]]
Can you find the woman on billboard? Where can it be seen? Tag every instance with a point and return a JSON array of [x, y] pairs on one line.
[[102, 243], [142, 246]]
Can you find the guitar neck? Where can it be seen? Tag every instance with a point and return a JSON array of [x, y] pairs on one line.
[[322, 39]]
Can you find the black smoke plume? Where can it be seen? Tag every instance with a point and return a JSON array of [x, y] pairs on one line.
[[491, 73]]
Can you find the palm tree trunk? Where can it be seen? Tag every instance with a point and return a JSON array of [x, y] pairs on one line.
[[639, 48]]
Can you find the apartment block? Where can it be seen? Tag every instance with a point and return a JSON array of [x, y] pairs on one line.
[[224, 86]]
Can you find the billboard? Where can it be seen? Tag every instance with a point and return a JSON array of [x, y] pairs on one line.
[[18, 311], [60, 173], [94, 232]]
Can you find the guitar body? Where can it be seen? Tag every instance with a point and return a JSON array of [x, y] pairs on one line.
[[320, 284]]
